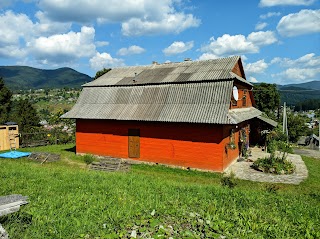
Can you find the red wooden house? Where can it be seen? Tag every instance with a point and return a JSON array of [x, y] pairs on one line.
[[193, 114]]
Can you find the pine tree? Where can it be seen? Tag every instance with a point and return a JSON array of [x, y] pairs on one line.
[[25, 115], [5, 102]]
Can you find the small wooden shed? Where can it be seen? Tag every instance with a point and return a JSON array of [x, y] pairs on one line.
[[9, 136]]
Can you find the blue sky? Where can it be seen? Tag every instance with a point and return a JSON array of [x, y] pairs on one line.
[[279, 40]]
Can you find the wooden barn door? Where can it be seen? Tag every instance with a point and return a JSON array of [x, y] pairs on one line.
[[134, 143]]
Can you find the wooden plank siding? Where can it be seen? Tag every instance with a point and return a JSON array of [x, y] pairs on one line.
[[238, 69], [199, 146], [231, 154], [243, 91]]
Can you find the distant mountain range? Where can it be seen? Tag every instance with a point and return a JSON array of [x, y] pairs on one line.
[[24, 78], [293, 94]]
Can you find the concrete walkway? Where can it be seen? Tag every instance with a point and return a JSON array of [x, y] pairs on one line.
[[242, 170], [307, 152]]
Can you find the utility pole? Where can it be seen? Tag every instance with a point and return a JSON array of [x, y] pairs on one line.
[[285, 123]]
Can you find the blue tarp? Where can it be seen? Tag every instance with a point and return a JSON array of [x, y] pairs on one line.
[[14, 154]]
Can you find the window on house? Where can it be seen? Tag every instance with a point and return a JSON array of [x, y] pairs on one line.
[[234, 102], [244, 98]]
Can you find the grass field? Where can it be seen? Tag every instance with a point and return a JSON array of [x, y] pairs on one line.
[[66, 200]]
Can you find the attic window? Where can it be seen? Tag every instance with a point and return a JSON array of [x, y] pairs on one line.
[[244, 98], [234, 102]]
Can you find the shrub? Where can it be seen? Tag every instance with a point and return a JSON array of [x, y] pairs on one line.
[[274, 164], [228, 181], [272, 188], [88, 159]]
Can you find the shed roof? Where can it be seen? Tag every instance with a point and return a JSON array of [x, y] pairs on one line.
[[268, 121]]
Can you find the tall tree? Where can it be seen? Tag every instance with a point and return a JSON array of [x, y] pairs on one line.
[[102, 72], [25, 115], [267, 98], [296, 127], [5, 102]]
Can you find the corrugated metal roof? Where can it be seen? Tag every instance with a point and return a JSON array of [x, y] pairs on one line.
[[206, 102], [267, 120], [189, 71], [194, 92], [241, 114]]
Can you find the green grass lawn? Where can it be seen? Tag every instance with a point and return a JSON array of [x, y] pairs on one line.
[[66, 200]]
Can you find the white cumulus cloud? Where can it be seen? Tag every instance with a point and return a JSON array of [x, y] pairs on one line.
[[304, 22], [64, 47], [177, 47], [170, 23], [308, 60], [256, 67], [253, 80], [138, 17], [101, 43], [47, 27], [261, 25], [262, 38], [104, 60], [298, 74], [270, 14], [272, 3], [13, 26], [207, 56], [17, 29], [132, 50], [306, 67], [227, 45]]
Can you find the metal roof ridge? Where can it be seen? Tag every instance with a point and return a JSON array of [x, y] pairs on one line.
[[159, 83], [236, 58]]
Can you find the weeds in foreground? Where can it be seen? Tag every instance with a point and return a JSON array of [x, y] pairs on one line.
[[66, 201], [88, 159], [228, 180], [272, 188]]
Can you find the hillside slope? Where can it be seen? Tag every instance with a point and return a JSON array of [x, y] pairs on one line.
[[314, 85], [24, 77], [295, 94]]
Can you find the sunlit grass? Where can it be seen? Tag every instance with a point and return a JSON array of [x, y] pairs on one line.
[[66, 200]]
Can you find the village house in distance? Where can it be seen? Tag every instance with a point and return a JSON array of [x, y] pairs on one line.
[[193, 114]]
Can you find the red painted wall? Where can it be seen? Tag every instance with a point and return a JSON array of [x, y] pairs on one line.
[[231, 154], [189, 145], [238, 69], [248, 94]]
